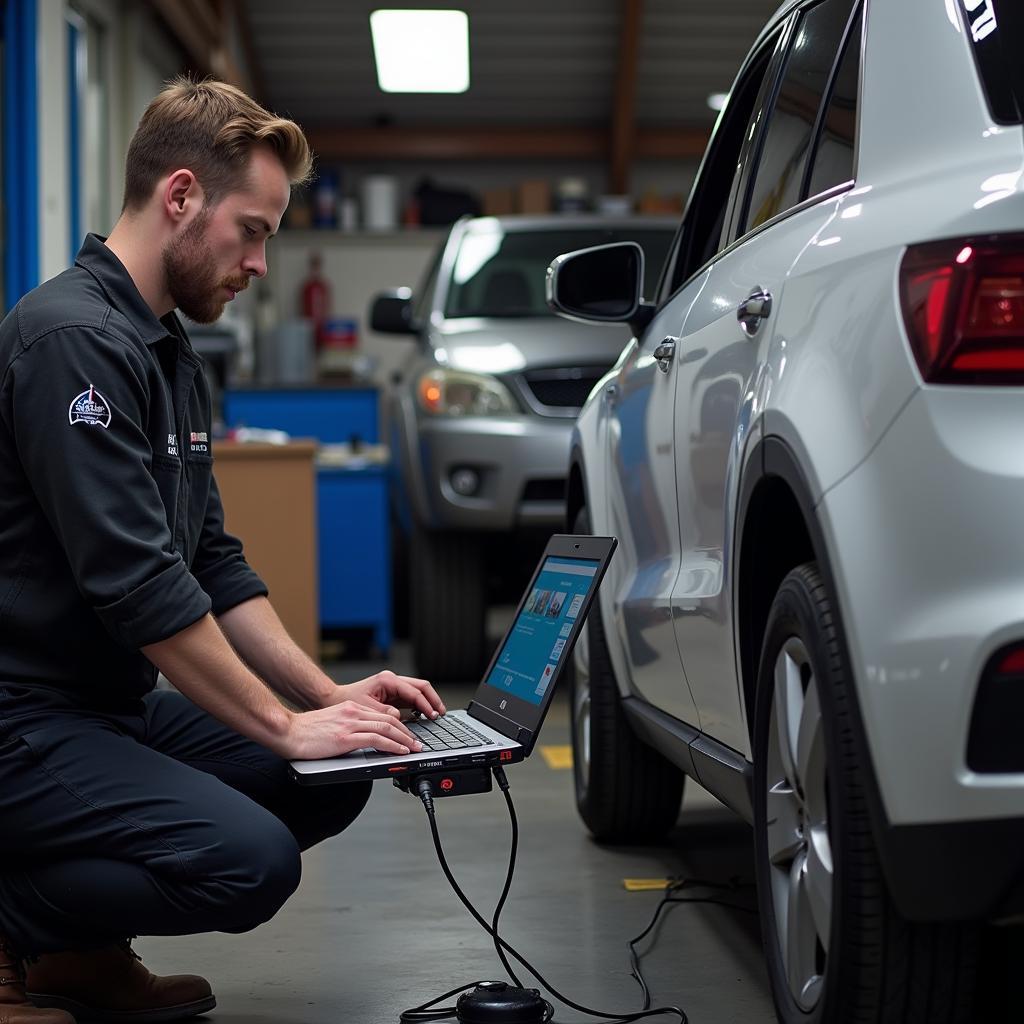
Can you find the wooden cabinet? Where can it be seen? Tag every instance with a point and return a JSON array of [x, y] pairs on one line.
[[269, 496]]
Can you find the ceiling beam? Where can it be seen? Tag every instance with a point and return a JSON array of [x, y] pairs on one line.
[[245, 34], [200, 29], [623, 128], [349, 142]]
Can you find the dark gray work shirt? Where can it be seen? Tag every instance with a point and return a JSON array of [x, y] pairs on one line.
[[111, 527]]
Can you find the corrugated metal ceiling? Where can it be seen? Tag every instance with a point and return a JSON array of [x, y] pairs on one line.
[[533, 62]]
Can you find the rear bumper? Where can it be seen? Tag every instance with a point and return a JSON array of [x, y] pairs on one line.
[[960, 872], [924, 541]]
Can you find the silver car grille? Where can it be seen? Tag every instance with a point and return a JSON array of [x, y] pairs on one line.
[[562, 389]]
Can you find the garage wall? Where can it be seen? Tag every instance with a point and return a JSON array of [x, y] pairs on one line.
[[132, 58], [356, 266]]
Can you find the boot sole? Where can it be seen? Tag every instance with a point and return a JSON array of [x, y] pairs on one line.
[[81, 1012]]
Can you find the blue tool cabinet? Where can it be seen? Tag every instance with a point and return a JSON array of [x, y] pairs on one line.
[[354, 546], [331, 415], [353, 536]]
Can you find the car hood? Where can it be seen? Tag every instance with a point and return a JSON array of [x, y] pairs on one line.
[[484, 345]]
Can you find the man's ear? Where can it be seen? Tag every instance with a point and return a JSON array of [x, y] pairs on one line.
[[181, 195]]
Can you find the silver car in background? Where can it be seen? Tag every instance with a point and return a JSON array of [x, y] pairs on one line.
[[481, 420], [812, 456]]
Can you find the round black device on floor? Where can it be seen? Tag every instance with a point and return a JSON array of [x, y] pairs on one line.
[[496, 1002]]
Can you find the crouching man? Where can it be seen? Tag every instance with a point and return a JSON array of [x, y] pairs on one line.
[[126, 810]]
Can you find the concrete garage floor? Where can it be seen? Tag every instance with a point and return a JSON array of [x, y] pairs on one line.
[[375, 929]]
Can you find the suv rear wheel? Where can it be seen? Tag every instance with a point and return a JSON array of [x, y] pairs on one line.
[[625, 791], [448, 609], [837, 951]]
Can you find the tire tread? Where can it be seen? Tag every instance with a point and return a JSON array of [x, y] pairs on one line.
[[448, 606]]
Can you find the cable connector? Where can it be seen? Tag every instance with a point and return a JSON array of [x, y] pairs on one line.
[[499, 776], [425, 791]]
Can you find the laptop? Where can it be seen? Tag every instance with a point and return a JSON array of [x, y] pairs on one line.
[[501, 724]]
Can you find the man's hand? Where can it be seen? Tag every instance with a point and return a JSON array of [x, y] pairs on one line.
[[344, 727], [386, 692]]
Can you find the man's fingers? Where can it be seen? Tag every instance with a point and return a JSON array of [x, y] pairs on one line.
[[387, 726], [385, 721], [418, 693], [387, 709], [375, 740]]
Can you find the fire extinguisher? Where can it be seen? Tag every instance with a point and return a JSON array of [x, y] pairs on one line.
[[316, 298]]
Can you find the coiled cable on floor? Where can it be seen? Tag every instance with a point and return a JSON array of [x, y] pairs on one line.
[[424, 1013]]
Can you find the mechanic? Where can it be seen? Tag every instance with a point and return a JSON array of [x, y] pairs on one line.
[[127, 810]]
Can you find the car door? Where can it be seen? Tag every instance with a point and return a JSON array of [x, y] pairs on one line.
[[642, 424], [723, 349], [642, 513]]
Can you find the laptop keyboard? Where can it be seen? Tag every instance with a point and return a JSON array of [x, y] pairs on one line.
[[446, 734]]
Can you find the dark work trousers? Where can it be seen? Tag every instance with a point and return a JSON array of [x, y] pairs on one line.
[[153, 821]]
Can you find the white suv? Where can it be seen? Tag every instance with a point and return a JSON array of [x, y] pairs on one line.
[[811, 453]]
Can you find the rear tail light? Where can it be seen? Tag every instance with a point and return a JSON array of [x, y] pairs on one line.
[[963, 306], [994, 742]]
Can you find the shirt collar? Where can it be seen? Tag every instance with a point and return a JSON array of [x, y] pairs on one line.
[[115, 280]]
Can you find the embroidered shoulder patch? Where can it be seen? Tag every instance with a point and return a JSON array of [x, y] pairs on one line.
[[89, 407]]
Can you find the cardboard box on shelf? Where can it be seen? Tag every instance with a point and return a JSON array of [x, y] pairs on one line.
[[654, 202], [534, 196], [498, 201]]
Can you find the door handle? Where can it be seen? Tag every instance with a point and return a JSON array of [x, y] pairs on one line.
[[664, 353], [755, 308]]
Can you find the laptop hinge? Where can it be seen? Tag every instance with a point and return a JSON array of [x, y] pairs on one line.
[[504, 725]]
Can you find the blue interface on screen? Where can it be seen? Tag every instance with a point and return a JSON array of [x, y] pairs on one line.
[[528, 660]]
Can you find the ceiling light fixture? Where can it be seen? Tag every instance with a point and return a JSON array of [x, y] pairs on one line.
[[421, 51], [717, 100]]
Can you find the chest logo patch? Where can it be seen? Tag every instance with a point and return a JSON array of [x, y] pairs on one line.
[[89, 407]]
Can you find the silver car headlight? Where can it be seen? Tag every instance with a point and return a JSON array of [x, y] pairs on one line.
[[456, 393]]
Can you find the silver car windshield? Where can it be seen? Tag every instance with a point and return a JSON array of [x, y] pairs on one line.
[[500, 273]]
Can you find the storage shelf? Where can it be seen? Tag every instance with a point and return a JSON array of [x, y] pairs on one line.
[[307, 237]]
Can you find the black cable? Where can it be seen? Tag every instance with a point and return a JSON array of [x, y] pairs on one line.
[[618, 1018], [502, 780], [422, 1013], [668, 898]]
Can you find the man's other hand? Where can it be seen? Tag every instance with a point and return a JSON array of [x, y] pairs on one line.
[[387, 692]]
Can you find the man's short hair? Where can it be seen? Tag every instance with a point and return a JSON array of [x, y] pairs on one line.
[[211, 128]]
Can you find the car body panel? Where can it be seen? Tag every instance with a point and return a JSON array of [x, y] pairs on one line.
[[715, 402], [935, 588]]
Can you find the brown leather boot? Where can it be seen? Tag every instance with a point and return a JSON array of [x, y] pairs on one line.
[[14, 1005], [112, 984]]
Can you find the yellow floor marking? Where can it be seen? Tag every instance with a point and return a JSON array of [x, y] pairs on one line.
[[557, 757], [645, 884]]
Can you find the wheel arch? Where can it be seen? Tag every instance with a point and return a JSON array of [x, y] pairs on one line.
[[778, 529], [775, 533], [575, 489]]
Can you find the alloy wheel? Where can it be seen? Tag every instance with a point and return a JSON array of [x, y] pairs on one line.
[[581, 709], [800, 869]]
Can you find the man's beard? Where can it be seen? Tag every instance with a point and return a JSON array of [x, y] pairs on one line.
[[190, 270]]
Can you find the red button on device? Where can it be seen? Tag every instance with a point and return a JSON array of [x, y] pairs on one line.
[[447, 785]]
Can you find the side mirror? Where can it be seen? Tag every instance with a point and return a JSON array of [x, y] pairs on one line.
[[599, 285], [391, 312]]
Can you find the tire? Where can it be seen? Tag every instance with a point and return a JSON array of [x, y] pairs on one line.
[[625, 791], [836, 949], [401, 582], [448, 607]]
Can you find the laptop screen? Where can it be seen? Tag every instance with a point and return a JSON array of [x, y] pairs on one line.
[[526, 663]]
